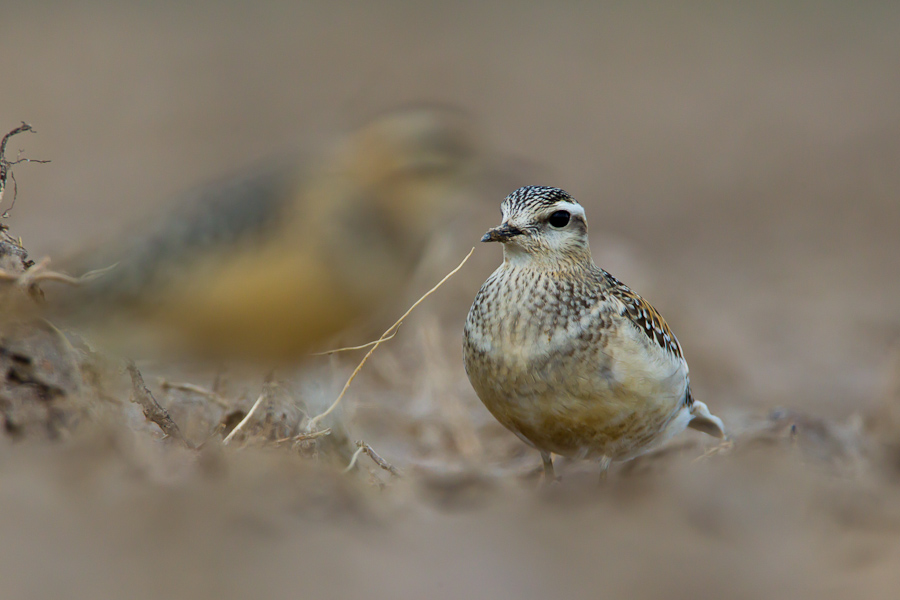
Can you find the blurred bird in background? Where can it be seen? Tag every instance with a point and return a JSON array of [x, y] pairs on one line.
[[272, 264]]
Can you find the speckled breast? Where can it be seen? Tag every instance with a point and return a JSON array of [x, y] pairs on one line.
[[542, 356]]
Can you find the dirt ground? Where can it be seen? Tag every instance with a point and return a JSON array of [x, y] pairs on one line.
[[738, 166]]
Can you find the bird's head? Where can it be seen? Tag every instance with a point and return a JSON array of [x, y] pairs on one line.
[[410, 162], [542, 224]]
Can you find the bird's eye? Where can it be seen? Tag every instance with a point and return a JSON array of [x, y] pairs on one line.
[[559, 219]]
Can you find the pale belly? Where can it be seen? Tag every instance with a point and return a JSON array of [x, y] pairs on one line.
[[604, 398]]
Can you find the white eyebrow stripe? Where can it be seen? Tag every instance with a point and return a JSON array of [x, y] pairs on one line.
[[574, 209]]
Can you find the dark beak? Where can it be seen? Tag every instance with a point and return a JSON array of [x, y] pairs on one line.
[[501, 234]]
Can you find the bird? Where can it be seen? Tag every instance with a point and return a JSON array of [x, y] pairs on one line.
[[565, 355], [270, 264]]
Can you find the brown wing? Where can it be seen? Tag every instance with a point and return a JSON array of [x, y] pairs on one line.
[[644, 316]]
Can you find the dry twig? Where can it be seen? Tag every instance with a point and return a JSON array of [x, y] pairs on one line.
[[263, 395], [305, 437], [388, 334], [151, 408], [194, 389], [39, 272], [349, 348], [5, 164], [364, 448], [353, 459]]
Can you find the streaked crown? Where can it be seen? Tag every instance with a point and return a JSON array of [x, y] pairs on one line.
[[535, 198]]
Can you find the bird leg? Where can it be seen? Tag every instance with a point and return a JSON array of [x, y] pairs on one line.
[[549, 474], [605, 462]]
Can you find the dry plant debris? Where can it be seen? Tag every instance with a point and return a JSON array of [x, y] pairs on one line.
[[6, 173], [41, 384], [263, 396], [159, 415], [210, 395], [364, 448], [151, 408], [388, 334]]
